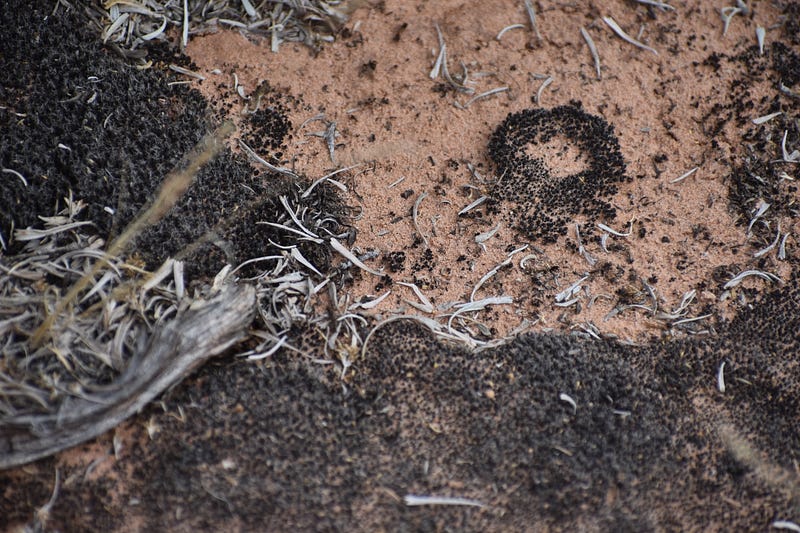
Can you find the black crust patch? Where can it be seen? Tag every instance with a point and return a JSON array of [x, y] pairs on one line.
[[547, 204]]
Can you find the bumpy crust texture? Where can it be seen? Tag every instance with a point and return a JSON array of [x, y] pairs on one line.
[[547, 204]]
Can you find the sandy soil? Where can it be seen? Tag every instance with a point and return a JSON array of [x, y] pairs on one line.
[[411, 141]]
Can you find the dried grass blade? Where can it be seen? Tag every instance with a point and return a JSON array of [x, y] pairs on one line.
[[186, 72], [473, 205], [486, 94], [685, 175], [372, 303], [593, 50], [412, 500], [624, 36], [185, 32], [17, 174], [478, 305], [655, 3], [761, 274], [414, 214], [427, 306], [532, 18], [766, 118], [157, 32], [347, 254], [255, 157], [508, 28]]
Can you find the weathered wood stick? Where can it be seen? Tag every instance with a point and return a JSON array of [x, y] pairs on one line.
[[205, 329]]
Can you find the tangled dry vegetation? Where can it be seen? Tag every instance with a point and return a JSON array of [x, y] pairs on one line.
[[75, 365], [129, 26]]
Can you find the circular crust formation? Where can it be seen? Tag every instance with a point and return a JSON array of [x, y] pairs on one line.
[[548, 204]]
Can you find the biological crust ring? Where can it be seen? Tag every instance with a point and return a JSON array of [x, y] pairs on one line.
[[546, 204]]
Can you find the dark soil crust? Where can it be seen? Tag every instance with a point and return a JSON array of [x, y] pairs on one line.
[[282, 446], [77, 119], [287, 445]]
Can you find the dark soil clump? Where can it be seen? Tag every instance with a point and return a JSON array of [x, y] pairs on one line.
[[547, 204]]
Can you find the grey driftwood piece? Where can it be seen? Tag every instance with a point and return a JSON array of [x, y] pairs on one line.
[[205, 329]]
